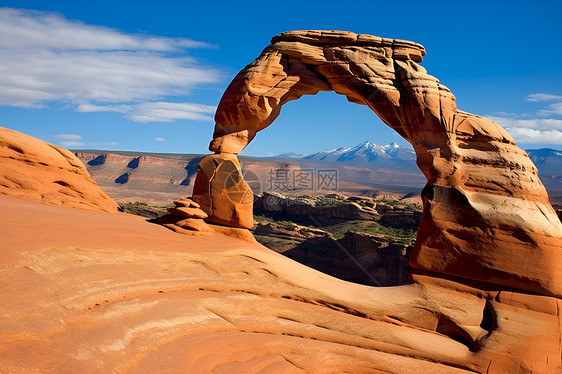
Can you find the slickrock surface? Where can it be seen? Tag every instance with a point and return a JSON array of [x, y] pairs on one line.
[[91, 292], [486, 214], [36, 170]]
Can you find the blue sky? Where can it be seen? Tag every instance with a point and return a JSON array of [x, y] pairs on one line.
[[147, 76]]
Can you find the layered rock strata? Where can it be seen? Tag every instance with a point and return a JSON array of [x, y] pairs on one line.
[[486, 215], [186, 218]]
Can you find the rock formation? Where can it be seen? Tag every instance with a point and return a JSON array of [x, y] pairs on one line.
[[36, 170], [221, 191], [311, 212], [486, 215], [186, 218]]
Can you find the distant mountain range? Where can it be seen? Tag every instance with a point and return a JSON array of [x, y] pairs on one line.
[[367, 153], [132, 176], [397, 157], [547, 160]]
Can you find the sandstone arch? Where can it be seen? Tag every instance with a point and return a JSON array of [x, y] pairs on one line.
[[486, 215]]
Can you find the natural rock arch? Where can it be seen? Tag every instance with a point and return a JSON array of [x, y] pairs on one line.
[[486, 214]]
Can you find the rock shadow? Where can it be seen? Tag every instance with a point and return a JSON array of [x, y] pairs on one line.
[[97, 161], [191, 169], [355, 258]]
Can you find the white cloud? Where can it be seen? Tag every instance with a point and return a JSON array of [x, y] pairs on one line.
[[69, 140], [46, 57], [30, 28], [526, 135], [70, 137], [160, 139], [537, 123], [540, 130], [160, 111], [555, 108], [74, 140], [533, 127], [543, 97], [168, 112], [103, 108]]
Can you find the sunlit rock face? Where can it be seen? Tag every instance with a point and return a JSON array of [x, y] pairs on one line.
[[486, 215], [36, 170]]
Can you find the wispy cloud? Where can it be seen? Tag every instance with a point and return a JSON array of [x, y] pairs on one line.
[[555, 108], [543, 97], [536, 123], [46, 57], [533, 127], [160, 139], [536, 131], [103, 108], [535, 136], [69, 137], [75, 140], [168, 112], [160, 111], [69, 140]]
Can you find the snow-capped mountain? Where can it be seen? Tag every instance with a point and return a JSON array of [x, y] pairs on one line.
[[364, 153], [395, 156]]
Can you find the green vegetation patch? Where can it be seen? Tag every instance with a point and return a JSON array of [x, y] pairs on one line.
[[399, 203], [370, 227]]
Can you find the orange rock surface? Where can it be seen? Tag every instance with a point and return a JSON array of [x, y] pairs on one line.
[[486, 214], [185, 218], [222, 192], [33, 169], [90, 292]]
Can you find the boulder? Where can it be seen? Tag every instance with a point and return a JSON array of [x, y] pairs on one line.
[[187, 212], [185, 202]]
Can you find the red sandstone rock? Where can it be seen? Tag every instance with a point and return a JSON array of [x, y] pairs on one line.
[[187, 212], [114, 293], [33, 169], [486, 214], [186, 203], [185, 220], [222, 193]]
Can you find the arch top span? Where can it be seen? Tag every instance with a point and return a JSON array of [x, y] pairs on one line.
[[403, 48], [381, 73], [486, 215]]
